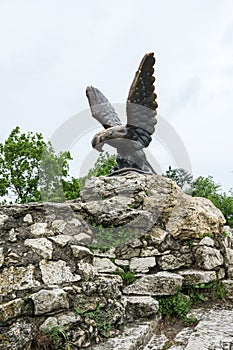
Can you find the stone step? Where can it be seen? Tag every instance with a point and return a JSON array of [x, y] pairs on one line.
[[134, 337]]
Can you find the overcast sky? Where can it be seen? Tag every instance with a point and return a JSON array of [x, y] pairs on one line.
[[51, 50]]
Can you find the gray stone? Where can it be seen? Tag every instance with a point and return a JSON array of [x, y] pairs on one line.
[[40, 229], [228, 240], [1, 257], [220, 273], [56, 272], [229, 288], [28, 218], [208, 258], [12, 235], [49, 300], [87, 271], [17, 278], [192, 217], [156, 236], [174, 261], [214, 331], [132, 338], [83, 238], [115, 210], [230, 272], [104, 265], [193, 277], [11, 309], [59, 225], [142, 264], [161, 283], [127, 253], [110, 253], [157, 342], [61, 240], [64, 320], [149, 251], [3, 218], [41, 246], [81, 252], [121, 262], [141, 307], [207, 241], [228, 256]]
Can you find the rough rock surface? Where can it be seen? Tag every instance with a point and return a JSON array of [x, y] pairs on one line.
[[95, 264]]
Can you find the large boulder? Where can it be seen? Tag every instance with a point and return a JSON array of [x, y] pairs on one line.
[[145, 201]]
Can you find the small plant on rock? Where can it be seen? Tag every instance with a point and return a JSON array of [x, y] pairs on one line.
[[127, 276], [174, 305]]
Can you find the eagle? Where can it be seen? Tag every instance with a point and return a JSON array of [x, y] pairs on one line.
[[129, 139]]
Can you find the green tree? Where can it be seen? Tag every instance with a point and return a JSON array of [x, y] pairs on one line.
[[24, 171], [102, 167], [181, 176], [206, 187]]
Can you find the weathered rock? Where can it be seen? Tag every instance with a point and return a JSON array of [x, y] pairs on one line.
[[41, 246], [121, 262], [229, 288], [193, 217], [64, 320], [87, 270], [229, 256], [3, 219], [156, 236], [56, 272], [230, 272], [193, 277], [214, 331], [1, 257], [174, 261], [134, 337], [107, 286], [208, 258], [81, 252], [40, 229], [17, 278], [126, 252], [28, 218], [141, 307], [161, 283], [49, 300], [18, 336], [104, 265], [12, 235], [83, 238], [59, 225], [149, 251], [61, 240], [11, 309], [207, 241], [142, 264]]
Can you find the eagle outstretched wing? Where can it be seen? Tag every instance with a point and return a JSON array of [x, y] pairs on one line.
[[101, 108], [141, 102], [129, 139]]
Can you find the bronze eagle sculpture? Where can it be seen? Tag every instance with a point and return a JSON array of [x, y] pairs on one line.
[[129, 139]]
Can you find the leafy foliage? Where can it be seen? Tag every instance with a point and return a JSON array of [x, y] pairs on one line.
[[180, 303], [206, 187], [181, 176], [30, 170], [103, 318], [102, 167], [177, 304], [127, 276]]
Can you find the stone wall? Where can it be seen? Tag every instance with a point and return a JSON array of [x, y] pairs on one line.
[[65, 265]]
